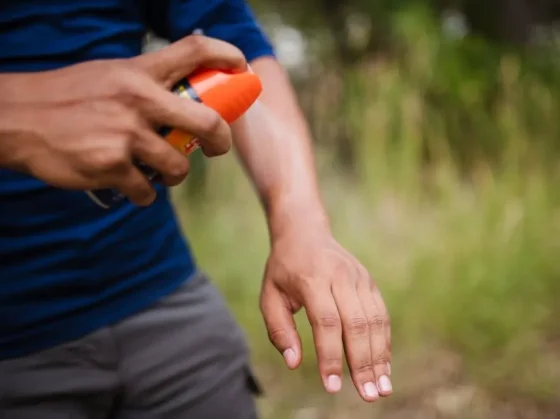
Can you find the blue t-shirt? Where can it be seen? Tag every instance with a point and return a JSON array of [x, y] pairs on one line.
[[67, 266]]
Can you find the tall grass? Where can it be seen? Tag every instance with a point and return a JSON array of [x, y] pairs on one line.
[[467, 260]]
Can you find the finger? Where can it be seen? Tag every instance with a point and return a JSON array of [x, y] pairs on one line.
[[134, 185], [378, 319], [355, 331], [164, 108], [327, 333], [280, 325], [184, 56], [381, 303], [153, 151]]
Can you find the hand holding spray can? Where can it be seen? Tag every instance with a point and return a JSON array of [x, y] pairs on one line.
[[228, 93]]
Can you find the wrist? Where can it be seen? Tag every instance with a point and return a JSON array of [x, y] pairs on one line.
[[287, 215]]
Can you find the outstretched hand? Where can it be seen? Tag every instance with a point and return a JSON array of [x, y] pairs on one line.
[[343, 305]]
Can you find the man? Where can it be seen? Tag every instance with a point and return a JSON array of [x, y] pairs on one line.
[[103, 313]]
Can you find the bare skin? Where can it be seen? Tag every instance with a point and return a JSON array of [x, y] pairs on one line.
[[82, 127], [307, 268]]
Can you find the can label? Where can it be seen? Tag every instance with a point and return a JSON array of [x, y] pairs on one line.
[[184, 142]]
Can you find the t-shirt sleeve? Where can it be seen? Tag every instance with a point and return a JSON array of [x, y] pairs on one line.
[[232, 21]]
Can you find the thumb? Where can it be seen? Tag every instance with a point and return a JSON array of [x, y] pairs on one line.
[[280, 325], [181, 58]]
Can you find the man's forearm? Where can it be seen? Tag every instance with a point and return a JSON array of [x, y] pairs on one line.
[[273, 142]]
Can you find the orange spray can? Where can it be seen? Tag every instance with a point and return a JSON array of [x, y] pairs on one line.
[[230, 94]]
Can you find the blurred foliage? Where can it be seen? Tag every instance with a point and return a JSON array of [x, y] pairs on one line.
[[438, 146], [462, 74]]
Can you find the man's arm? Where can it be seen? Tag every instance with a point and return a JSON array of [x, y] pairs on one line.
[[307, 267], [274, 144]]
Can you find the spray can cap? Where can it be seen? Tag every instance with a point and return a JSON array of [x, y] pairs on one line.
[[229, 93]]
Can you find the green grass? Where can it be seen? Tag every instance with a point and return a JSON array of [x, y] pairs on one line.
[[468, 265]]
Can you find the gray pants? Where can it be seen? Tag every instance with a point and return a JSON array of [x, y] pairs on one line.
[[183, 358]]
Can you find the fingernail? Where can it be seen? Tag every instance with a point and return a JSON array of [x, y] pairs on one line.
[[289, 356], [370, 390], [385, 384], [333, 383]]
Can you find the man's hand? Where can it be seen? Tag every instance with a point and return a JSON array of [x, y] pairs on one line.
[[83, 126], [308, 268]]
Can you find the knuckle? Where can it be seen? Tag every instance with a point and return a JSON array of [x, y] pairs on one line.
[[130, 124], [363, 272], [211, 128], [145, 197], [211, 124], [327, 321], [387, 321], [276, 335], [141, 190], [147, 193], [362, 366], [358, 326], [121, 78], [128, 84], [180, 169], [331, 363], [341, 269], [382, 358], [377, 322], [198, 47], [108, 159], [364, 276]]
